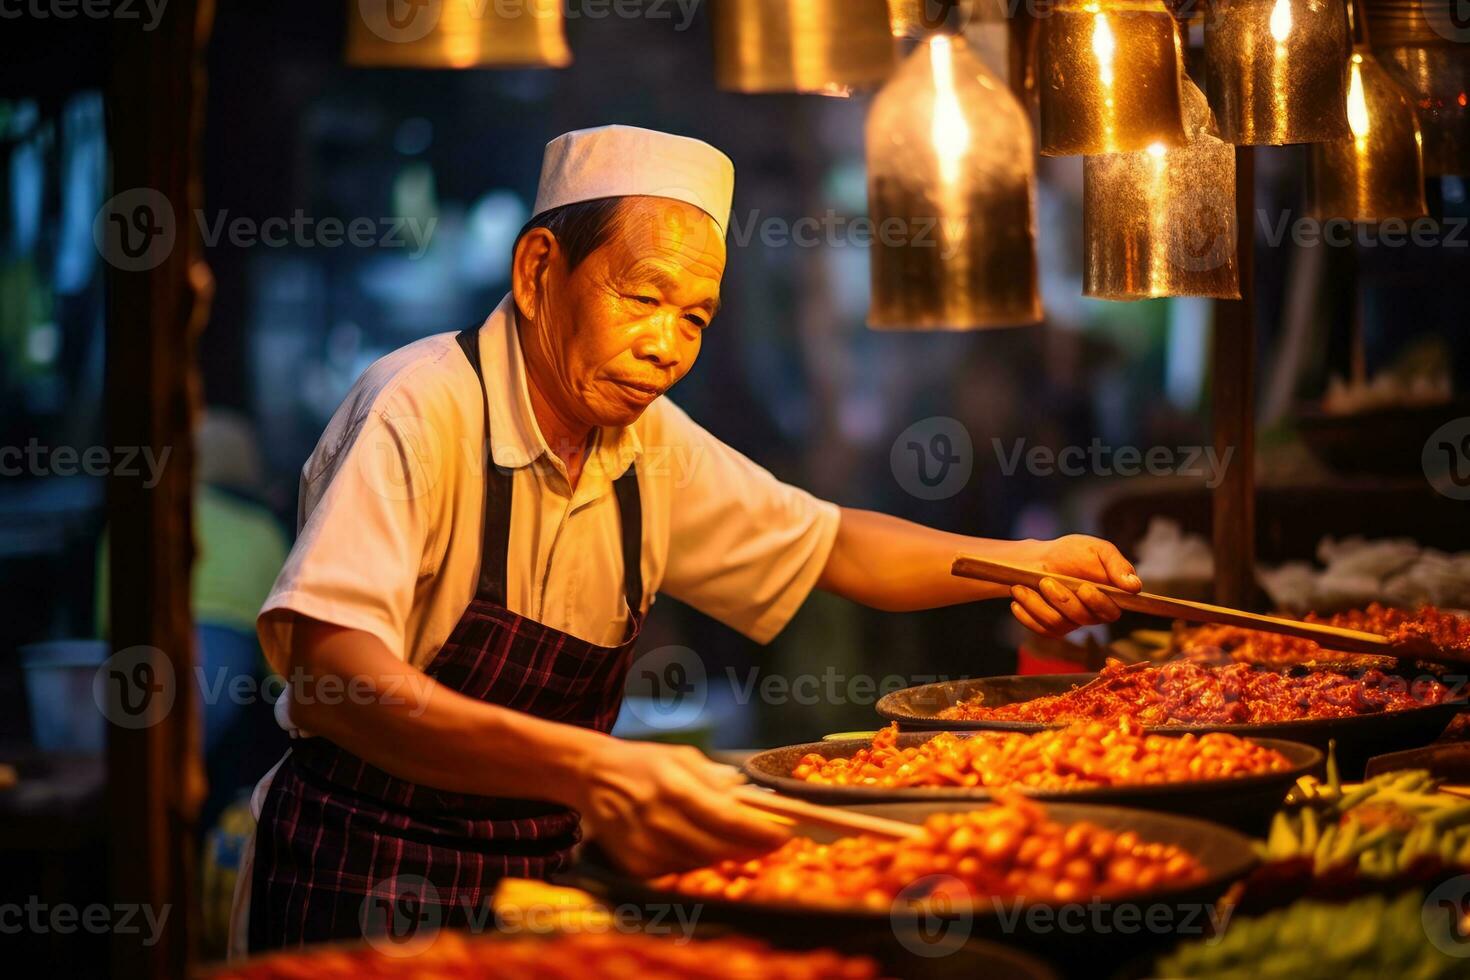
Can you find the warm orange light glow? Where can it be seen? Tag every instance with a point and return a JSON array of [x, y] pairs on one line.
[[1281, 21], [1103, 45], [949, 130], [1357, 105]]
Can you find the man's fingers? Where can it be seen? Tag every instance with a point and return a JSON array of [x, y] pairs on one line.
[[1120, 570], [1026, 620], [741, 828], [1064, 601], [1100, 605], [715, 775], [1052, 622]]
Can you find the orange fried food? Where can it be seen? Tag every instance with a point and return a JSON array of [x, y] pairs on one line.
[[574, 955], [1012, 851], [1182, 693], [1081, 756]]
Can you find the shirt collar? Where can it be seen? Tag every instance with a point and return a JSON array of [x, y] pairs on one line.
[[516, 438]]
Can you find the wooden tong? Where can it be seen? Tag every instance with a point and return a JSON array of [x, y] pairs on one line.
[[828, 817], [1329, 637]]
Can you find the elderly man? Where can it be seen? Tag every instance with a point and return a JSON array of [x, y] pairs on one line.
[[483, 526]]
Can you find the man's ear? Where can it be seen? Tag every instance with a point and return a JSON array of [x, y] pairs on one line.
[[530, 267]]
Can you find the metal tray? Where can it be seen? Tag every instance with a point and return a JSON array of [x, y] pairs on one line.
[[1244, 802], [1227, 856], [1358, 738]]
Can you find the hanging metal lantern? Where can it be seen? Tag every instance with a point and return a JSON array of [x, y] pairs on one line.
[[1276, 70], [1108, 77], [456, 34], [828, 47], [1161, 221], [921, 18], [1378, 172], [1423, 45], [951, 196]]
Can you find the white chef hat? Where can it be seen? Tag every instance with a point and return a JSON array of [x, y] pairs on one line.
[[621, 161]]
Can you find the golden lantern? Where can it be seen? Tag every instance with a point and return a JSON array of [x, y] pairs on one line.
[[1423, 46], [823, 46], [1108, 77], [951, 196], [1161, 221], [456, 34], [921, 18], [1378, 171], [1277, 70]]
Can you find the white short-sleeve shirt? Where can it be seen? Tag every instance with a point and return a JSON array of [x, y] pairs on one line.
[[392, 506]]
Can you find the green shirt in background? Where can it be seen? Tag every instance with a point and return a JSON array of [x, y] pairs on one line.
[[241, 549]]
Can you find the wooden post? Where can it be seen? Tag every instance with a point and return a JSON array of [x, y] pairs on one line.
[[155, 777], [1233, 389]]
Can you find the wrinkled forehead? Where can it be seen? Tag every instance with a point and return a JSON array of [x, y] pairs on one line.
[[673, 232]]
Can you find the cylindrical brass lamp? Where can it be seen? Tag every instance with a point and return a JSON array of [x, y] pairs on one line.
[[1378, 172], [1426, 48], [921, 18], [1161, 221], [822, 46], [456, 34], [1108, 77], [1277, 70], [951, 196]]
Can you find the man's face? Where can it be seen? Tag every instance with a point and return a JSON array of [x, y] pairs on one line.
[[622, 328]]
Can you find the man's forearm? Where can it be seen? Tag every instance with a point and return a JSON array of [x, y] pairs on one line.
[[347, 687], [897, 565]]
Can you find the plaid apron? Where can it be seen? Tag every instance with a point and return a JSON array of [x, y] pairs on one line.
[[337, 835]]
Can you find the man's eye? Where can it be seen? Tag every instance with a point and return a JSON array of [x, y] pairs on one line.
[[645, 300], [698, 321]]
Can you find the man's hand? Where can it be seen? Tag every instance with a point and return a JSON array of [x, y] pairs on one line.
[[1056, 610], [660, 808]]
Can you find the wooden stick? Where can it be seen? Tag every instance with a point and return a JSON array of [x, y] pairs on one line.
[[1331, 637], [828, 817]]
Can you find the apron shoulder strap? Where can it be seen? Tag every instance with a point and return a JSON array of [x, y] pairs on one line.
[[495, 551], [630, 513]]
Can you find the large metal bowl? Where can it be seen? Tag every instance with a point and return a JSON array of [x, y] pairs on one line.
[[1075, 944], [1358, 738], [1243, 802]]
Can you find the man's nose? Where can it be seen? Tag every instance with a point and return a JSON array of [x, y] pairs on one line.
[[659, 340]]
